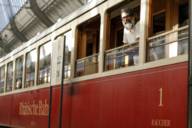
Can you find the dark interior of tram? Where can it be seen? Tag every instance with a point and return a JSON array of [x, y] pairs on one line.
[[88, 37]]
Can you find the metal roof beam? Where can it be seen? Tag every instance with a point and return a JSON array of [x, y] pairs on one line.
[[16, 31], [3, 47], [40, 14]]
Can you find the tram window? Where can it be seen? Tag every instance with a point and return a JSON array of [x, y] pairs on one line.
[[121, 42], [18, 72], [116, 38], [183, 14], [9, 80], [68, 48], [88, 47], [158, 17], [88, 37], [159, 22], [168, 16], [31, 59], [116, 27], [2, 78], [44, 63]]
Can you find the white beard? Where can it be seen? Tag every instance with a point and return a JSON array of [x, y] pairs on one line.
[[128, 26]]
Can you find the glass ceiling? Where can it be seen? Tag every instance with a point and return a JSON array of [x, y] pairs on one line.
[[8, 8]]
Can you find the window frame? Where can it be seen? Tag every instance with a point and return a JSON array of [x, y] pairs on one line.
[[7, 73], [156, 14], [25, 68], [38, 62], [4, 79]]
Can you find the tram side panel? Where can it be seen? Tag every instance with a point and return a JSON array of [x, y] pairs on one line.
[[30, 109], [149, 98], [5, 107], [66, 107], [55, 107]]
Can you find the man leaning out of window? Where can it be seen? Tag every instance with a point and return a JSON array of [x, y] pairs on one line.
[[131, 33]]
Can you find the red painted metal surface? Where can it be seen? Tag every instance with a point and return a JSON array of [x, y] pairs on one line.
[[153, 98]]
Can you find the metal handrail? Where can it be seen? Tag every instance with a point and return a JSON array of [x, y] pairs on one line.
[[168, 32], [87, 57], [84, 65], [117, 56], [123, 46], [158, 45], [160, 42]]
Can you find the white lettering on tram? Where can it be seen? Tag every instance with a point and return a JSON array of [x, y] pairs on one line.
[[35, 108], [163, 123]]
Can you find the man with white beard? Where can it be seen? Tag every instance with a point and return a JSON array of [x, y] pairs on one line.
[[131, 33]]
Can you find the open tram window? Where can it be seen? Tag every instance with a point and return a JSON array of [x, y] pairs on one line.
[[116, 33], [9, 81], [169, 29], [44, 63], [183, 22], [31, 59], [183, 13], [158, 25], [88, 47], [116, 27], [167, 15], [158, 17], [2, 78], [19, 72], [159, 22], [122, 43]]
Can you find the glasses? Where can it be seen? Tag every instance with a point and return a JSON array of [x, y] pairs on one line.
[[126, 19]]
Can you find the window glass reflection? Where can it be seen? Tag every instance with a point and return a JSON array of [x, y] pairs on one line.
[[18, 72], [9, 77], [2, 78], [44, 63], [68, 48], [31, 59]]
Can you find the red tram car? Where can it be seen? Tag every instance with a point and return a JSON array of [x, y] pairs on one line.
[[77, 74]]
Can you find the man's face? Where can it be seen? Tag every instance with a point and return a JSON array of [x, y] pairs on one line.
[[126, 19]]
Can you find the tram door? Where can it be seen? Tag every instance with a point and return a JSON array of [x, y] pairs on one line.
[[57, 60]]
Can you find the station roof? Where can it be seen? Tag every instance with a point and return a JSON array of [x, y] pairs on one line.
[[23, 19], [8, 9]]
